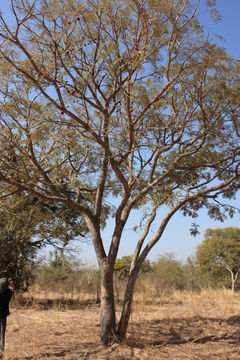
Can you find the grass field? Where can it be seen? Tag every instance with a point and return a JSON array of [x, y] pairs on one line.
[[179, 325]]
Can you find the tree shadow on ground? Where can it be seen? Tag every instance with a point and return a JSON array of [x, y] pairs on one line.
[[151, 334], [60, 304], [195, 329], [77, 352]]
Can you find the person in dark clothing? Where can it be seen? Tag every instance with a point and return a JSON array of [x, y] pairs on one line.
[[6, 288]]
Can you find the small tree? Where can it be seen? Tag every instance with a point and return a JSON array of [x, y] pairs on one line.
[[123, 265], [169, 273], [121, 99], [220, 250], [192, 280], [59, 274]]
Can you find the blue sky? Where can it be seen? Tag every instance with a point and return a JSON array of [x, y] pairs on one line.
[[176, 238], [228, 27]]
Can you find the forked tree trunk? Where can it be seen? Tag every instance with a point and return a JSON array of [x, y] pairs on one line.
[[107, 310], [127, 305]]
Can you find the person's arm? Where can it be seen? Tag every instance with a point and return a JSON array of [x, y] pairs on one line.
[[10, 284]]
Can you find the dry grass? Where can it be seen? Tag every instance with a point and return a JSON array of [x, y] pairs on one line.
[[180, 325]]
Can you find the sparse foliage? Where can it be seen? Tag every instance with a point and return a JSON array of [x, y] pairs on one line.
[[64, 275]]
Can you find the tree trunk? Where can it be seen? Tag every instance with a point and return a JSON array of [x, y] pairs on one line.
[[127, 305], [107, 310], [234, 279]]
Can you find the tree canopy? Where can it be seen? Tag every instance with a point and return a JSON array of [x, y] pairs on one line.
[[220, 250], [27, 225], [170, 272], [108, 106], [17, 248], [122, 267]]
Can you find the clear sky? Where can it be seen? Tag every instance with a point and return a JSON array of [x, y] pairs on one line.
[[176, 238], [228, 27]]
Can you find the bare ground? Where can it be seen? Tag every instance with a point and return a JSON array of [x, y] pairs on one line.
[[181, 326]]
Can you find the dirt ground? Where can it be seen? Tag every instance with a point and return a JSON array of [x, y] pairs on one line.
[[183, 326]]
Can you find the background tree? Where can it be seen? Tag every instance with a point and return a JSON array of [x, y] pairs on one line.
[[59, 273], [124, 99], [169, 272], [219, 254], [122, 267], [17, 253], [27, 225], [67, 275], [192, 279]]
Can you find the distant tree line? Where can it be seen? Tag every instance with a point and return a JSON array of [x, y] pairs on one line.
[[27, 225], [216, 265]]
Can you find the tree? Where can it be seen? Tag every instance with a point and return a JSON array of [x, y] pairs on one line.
[[59, 273], [112, 106], [220, 250], [17, 253], [192, 280], [26, 225], [169, 272], [123, 265]]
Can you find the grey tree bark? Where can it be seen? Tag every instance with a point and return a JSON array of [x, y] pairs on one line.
[[127, 306], [107, 310]]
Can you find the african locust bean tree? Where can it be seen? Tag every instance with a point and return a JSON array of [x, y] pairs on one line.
[[112, 106]]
